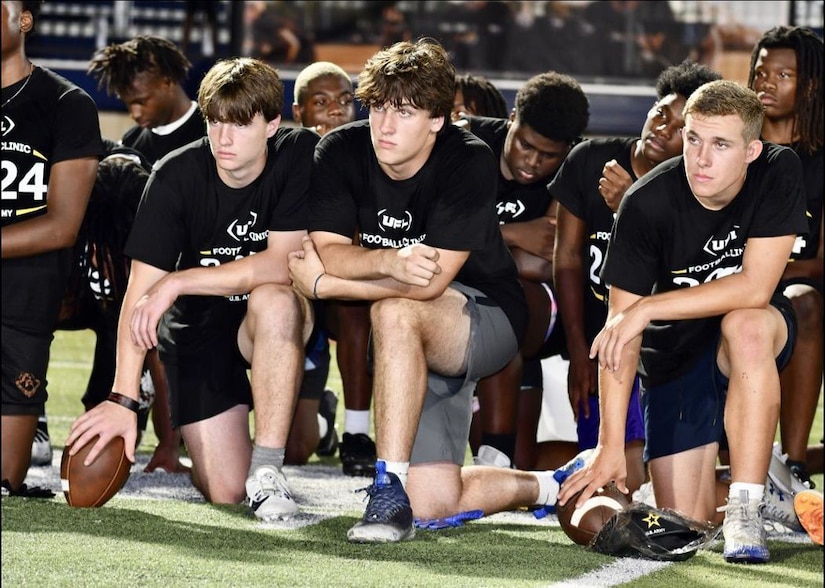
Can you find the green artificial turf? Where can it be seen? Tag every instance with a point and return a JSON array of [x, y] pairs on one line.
[[141, 542]]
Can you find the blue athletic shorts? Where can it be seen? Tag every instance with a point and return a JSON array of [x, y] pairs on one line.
[[588, 429], [689, 412]]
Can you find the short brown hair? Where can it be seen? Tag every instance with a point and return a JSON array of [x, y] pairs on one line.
[[419, 72], [235, 90], [725, 98]]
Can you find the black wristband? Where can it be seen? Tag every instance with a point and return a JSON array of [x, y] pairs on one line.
[[124, 401]]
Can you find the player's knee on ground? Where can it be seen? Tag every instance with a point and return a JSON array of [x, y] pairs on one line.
[[434, 490], [219, 490]]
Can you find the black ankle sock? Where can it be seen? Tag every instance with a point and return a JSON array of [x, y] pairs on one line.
[[506, 443]]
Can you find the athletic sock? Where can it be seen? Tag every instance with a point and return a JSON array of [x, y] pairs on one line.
[[506, 443], [357, 421], [548, 487], [269, 456], [400, 469], [755, 491]]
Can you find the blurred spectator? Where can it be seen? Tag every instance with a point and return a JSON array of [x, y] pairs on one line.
[[275, 34], [208, 11], [394, 26], [631, 36]]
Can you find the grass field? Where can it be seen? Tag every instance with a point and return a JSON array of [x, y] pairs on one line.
[[142, 538]]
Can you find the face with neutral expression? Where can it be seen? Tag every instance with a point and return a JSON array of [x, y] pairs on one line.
[[150, 100], [661, 133], [717, 158], [774, 81], [240, 150], [327, 104], [402, 138], [528, 156]]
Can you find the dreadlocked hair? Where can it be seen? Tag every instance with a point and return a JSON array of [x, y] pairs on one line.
[[808, 105], [109, 216], [482, 96], [116, 65]]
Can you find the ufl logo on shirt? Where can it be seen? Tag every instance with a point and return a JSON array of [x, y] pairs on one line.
[[240, 229], [716, 245], [388, 222], [8, 125]]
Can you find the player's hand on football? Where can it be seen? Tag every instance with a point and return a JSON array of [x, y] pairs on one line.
[[304, 268], [618, 331], [603, 466], [582, 382], [106, 420], [148, 311], [415, 265], [613, 184]]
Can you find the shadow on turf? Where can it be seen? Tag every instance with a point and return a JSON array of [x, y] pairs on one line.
[[505, 551]]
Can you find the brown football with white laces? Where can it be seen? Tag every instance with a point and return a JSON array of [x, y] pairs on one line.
[[582, 525]]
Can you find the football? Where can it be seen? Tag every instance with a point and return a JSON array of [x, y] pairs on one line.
[[94, 485], [581, 525]]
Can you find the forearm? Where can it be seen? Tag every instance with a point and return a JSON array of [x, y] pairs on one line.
[[353, 262], [569, 283], [614, 395], [37, 236], [336, 287]]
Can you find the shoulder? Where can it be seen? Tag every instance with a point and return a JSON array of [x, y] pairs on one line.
[[56, 86], [293, 137], [186, 160], [488, 129]]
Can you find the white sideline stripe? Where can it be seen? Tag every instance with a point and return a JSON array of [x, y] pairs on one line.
[[622, 570]]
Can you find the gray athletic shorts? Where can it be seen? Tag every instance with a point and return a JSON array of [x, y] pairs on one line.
[[445, 421]]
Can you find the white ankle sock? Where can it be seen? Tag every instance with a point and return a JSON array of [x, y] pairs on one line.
[[755, 491], [548, 487], [400, 469], [357, 421]]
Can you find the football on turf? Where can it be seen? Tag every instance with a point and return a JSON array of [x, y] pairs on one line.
[[94, 485], [583, 524]]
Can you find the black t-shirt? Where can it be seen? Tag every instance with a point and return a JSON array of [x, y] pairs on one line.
[[189, 218], [154, 146], [664, 239], [515, 202], [576, 187], [49, 121], [448, 204], [813, 175]]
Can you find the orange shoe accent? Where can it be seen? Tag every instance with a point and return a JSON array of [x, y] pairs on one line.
[[808, 507]]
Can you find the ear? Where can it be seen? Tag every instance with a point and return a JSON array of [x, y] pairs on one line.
[[296, 114], [753, 150], [273, 125], [436, 124], [26, 21]]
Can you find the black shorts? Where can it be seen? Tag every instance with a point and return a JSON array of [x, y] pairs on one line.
[[689, 411], [25, 361], [205, 385]]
